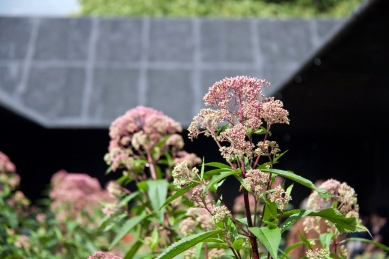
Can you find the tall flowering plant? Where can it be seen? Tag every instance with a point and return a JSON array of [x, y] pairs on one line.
[[240, 111], [146, 146]]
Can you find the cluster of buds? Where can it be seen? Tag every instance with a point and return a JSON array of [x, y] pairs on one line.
[[280, 197], [257, 181], [318, 254], [196, 217], [182, 175], [73, 193], [343, 196]]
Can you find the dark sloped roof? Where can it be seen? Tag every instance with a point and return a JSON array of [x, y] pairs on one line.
[[84, 72]]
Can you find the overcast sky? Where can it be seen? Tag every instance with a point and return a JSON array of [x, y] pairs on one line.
[[38, 7]]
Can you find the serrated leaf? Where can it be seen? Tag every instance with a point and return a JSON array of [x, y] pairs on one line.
[[298, 179], [270, 238], [217, 165], [127, 227], [157, 192], [179, 193], [220, 177], [305, 241], [186, 243]]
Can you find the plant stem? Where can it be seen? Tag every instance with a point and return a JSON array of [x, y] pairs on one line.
[[151, 164]]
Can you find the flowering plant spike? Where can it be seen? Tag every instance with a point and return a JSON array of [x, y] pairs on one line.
[[239, 121]]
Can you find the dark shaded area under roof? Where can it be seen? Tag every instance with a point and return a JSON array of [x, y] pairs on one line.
[[339, 109]]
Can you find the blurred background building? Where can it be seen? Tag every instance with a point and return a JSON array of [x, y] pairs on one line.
[[64, 80]]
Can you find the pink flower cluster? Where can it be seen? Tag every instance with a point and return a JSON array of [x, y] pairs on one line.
[[5, 164], [241, 104], [73, 193], [138, 131], [8, 173]]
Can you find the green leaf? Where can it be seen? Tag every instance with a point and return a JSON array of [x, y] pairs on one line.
[[275, 160], [213, 172], [292, 219], [134, 249], [199, 246], [127, 227], [298, 179], [343, 224], [142, 186], [243, 183], [237, 245], [270, 211], [179, 193], [186, 243], [218, 165], [305, 241], [202, 170], [291, 247], [129, 197], [325, 239], [220, 177], [157, 192], [270, 238], [261, 131], [334, 256], [383, 247]]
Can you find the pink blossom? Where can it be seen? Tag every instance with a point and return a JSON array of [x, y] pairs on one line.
[[103, 255], [5, 164], [71, 193], [138, 130]]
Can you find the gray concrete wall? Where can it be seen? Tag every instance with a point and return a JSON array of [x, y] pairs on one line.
[[84, 72]]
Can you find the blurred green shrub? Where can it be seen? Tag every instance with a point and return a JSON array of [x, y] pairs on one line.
[[221, 8]]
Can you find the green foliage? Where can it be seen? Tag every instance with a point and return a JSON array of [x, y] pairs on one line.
[[221, 8], [186, 243]]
